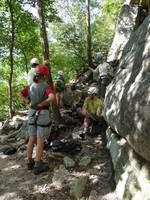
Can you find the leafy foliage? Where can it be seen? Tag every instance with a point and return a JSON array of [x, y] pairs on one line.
[[67, 36]]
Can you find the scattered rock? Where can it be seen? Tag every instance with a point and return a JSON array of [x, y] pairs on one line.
[[85, 161], [69, 162], [93, 195], [60, 175], [3, 139], [78, 186]]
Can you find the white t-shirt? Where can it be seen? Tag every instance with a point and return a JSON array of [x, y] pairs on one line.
[[31, 75], [104, 70]]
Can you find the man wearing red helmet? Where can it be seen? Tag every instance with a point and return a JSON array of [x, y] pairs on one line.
[[40, 95]]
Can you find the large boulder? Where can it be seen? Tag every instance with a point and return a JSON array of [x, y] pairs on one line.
[[124, 28], [71, 98], [132, 173], [127, 101]]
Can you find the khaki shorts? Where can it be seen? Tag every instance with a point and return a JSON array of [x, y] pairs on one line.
[[39, 126]]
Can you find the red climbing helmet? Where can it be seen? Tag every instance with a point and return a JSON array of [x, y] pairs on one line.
[[42, 69]]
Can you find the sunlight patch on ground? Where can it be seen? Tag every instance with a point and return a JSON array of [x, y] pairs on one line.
[[2, 156], [10, 195], [41, 188], [80, 174], [11, 167]]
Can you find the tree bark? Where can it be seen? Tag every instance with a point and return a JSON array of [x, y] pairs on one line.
[[26, 62], [89, 54], [9, 2], [45, 48], [43, 35]]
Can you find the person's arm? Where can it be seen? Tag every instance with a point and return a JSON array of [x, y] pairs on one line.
[[95, 71], [25, 99], [47, 101], [91, 69], [24, 95], [110, 71], [50, 97], [98, 113], [99, 109]]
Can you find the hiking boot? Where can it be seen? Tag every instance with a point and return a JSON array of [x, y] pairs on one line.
[[40, 167], [30, 164]]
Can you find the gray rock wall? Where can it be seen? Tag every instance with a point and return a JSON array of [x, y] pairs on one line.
[[132, 173], [127, 102], [124, 28]]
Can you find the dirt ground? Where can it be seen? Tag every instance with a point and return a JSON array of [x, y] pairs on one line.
[[17, 183]]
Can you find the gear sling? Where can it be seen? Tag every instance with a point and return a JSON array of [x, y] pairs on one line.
[[37, 95], [36, 114]]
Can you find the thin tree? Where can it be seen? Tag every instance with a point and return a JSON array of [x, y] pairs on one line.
[[11, 48], [89, 54], [45, 47]]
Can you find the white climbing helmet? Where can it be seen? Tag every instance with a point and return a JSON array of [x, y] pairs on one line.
[[34, 61], [92, 90], [60, 72]]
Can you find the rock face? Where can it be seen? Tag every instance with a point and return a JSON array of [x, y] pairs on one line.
[[127, 101], [124, 29], [71, 98], [131, 171]]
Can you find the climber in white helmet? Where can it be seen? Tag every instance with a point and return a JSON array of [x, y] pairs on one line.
[[92, 104], [34, 63]]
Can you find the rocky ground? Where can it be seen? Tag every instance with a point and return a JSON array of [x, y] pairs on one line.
[[86, 175]]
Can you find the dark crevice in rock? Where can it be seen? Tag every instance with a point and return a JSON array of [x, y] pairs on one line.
[[142, 14]]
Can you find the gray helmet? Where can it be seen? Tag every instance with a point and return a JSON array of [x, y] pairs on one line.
[[99, 57]]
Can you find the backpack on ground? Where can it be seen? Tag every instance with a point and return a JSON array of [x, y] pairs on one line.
[[66, 146]]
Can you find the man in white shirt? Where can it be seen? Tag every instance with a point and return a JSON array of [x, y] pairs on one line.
[[34, 63], [104, 73]]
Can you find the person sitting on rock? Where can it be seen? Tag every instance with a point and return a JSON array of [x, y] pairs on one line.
[[59, 86], [104, 72], [40, 94], [92, 106]]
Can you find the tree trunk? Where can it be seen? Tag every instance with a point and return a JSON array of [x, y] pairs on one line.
[[89, 55], [26, 63], [9, 2], [45, 47]]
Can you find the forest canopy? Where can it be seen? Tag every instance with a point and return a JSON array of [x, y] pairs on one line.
[[66, 27]]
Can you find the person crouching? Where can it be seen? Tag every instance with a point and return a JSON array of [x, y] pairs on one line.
[[92, 104]]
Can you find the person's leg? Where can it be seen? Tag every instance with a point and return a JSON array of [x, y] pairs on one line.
[[39, 149], [58, 98], [105, 82], [85, 126], [40, 166], [79, 112], [30, 164], [42, 133], [99, 86], [86, 123], [86, 119], [30, 146]]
